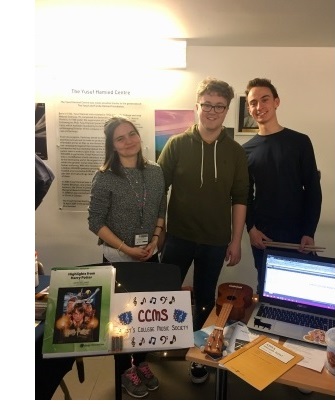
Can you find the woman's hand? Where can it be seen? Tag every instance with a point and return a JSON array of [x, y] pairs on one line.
[[150, 248], [138, 253]]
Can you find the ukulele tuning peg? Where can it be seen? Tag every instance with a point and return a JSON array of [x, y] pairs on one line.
[[202, 349], [226, 343], [224, 353]]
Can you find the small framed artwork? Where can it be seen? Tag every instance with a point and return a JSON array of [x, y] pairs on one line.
[[169, 123], [245, 123]]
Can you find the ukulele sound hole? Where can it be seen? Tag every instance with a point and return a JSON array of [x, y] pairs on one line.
[[231, 297]]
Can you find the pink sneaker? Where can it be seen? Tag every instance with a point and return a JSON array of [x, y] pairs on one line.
[[147, 376], [131, 382]]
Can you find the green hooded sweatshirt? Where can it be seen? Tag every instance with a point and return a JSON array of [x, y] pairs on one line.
[[206, 180]]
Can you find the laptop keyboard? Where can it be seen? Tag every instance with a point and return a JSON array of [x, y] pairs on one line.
[[298, 318]]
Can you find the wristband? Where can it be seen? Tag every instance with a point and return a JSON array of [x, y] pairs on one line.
[[158, 226], [120, 246], [156, 235]]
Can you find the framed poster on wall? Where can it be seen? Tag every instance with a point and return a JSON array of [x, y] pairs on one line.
[[171, 122], [245, 123]]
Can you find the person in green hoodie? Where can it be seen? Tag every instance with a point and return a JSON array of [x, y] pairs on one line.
[[208, 175]]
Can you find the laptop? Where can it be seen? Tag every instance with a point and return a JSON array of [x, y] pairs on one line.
[[297, 299]]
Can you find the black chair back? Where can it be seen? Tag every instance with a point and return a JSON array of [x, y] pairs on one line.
[[146, 277]]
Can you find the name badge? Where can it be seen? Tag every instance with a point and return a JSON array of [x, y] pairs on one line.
[[141, 239]]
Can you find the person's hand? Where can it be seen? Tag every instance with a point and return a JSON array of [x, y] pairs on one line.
[[150, 248], [305, 240], [257, 237], [138, 253], [233, 254]]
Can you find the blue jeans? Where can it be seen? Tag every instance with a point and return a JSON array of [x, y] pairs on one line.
[[208, 261]]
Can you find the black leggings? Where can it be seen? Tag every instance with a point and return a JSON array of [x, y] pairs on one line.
[[124, 360]]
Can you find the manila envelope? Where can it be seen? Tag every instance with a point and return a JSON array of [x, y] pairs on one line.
[[260, 362]]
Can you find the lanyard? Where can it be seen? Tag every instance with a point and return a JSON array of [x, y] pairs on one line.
[[141, 199]]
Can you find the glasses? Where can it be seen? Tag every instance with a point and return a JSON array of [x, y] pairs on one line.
[[206, 107]]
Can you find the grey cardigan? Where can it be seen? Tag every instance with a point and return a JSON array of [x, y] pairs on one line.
[[121, 203]]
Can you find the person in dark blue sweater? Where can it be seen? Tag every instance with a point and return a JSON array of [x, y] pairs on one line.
[[285, 195]]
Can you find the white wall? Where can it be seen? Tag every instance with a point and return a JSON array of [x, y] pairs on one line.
[[305, 81]]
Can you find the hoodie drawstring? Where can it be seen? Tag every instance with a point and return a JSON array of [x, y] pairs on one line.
[[215, 168], [202, 164]]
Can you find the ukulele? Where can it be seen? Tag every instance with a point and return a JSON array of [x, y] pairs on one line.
[[232, 300]]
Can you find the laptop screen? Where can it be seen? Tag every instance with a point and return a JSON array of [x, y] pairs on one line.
[[298, 279]]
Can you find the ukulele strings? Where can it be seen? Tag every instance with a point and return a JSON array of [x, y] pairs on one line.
[[228, 307], [220, 322]]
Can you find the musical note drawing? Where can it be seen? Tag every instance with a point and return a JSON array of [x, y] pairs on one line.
[[152, 340], [163, 299], [163, 339], [172, 300], [133, 343], [142, 341], [143, 301], [173, 339], [153, 300], [179, 315], [135, 301]]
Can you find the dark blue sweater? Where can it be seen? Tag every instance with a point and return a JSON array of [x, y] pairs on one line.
[[284, 191]]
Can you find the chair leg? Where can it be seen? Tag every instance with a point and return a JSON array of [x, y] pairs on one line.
[[65, 390], [80, 369]]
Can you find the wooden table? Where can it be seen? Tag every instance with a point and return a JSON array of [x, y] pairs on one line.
[[297, 376]]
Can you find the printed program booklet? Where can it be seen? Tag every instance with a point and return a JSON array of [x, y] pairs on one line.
[[86, 317]]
